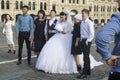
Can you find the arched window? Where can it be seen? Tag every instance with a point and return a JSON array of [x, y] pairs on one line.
[[53, 7], [83, 1], [101, 8], [73, 1], [2, 4], [16, 5], [90, 8], [95, 8], [62, 1], [104, 8], [29, 4], [69, 1], [33, 5], [45, 6], [7, 4], [77, 1], [21, 4], [41, 6]]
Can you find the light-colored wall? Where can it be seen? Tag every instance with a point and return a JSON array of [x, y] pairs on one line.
[[59, 5]]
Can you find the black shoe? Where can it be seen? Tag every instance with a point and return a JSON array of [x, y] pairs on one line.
[[29, 63], [9, 51], [82, 76], [18, 63], [14, 51], [79, 68]]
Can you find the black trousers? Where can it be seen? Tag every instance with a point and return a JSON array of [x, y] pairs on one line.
[[24, 36], [86, 52], [114, 76]]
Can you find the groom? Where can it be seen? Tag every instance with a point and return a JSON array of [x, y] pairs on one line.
[[51, 23]]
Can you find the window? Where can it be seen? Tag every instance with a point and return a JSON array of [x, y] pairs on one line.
[[2, 4], [69, 1], [94, 8], [73, 1], [33, 5], [97, 8], [41, 6], [90, 8], [77, 1], [21, 4], [62, 1], [54, 7], [29, 4], [7, 4], [45, 6], [83, 1], [16, 5]]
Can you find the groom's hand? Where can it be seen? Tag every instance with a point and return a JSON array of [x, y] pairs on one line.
[[112, 62]]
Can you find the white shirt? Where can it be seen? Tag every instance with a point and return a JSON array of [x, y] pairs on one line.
[[51, 21], [87, 30]]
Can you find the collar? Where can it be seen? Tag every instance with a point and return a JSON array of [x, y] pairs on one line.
[[53, 19], [86, 20], [25, 15]]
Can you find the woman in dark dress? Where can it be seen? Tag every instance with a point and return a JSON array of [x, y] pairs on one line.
[[76, 50], [39, 35]]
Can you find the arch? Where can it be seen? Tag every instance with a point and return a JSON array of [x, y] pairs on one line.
[[102, 20], [74, 12], [33, 16], [17, 15], [3, 17], [96, 21]]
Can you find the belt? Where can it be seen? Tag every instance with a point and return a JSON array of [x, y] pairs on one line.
[[24, 31]]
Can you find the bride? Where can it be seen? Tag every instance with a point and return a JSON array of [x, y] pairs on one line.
[[55, 57]]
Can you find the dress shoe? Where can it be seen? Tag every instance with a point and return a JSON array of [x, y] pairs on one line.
[[79, 68], [9, 51], [18, 63], [82, 76], [14, 51]]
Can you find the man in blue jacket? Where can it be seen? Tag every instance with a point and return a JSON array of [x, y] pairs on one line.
[[103, 39]]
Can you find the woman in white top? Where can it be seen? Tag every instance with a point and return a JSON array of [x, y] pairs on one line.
[[7, 31], [55, 57]]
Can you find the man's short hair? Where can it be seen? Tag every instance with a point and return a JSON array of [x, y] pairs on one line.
[[25, 6], [86, 11], [53, 10]]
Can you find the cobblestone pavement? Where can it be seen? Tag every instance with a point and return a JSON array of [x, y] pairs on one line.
[[10, 71]]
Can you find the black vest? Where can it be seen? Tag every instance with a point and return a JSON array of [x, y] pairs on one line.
[[52, 26]]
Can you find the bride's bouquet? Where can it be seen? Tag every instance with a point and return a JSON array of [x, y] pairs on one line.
[[59, 28]]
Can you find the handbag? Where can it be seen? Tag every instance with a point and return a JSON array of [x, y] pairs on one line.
[[32, 46]]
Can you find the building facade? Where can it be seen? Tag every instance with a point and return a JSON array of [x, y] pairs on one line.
[[100, 10]]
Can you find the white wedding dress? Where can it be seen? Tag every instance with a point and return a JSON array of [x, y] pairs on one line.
[[56, 57]]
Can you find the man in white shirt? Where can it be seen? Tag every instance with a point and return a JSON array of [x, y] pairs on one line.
[[87, 35], [50, 24]]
